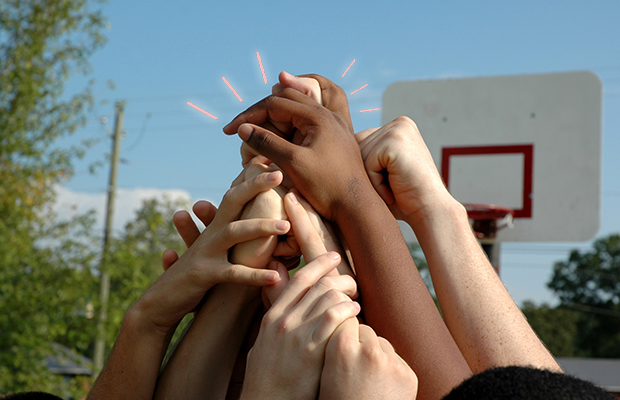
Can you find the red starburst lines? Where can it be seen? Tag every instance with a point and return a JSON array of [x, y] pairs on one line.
[[201, 110]]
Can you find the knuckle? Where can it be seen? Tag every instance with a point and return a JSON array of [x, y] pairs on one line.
[[332, 314], [345, 343], [308, 349], [230, 274], [384, 342], [259, 141], [302, 277], [285, 324], [229, 230], [231, 195], [326, 282], [406, 122], [268, 319], [372, 352]]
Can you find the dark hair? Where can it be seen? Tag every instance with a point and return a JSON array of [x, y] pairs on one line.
[[30, 396], [512, 383]]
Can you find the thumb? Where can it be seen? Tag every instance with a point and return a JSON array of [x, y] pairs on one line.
[[267, 143]]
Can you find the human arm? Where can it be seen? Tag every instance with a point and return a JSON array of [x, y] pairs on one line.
[[132, 367], [488, 327], [287, 357], [210, 346], [323, 160]]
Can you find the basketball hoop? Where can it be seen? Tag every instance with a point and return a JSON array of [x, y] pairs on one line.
[[487, 219]]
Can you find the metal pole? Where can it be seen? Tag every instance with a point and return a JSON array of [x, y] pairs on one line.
[[104, 284]]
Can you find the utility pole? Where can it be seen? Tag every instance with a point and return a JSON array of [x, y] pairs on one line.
[[104, 284]]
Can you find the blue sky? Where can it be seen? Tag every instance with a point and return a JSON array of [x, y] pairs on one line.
[[161, 54]]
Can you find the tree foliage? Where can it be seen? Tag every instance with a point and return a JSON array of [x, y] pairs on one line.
[[586, 323], [556, 327], [44, 300], [135, 258], [42, 276], [42, 44], [589, 282]]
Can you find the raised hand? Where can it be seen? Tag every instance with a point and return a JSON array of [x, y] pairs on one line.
[[206, 263], [287, 358], [401, 168], [363, 366], [321, 145]]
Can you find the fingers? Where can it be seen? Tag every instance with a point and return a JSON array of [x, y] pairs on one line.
[[236, 197], [288, 105], [346, 333], [308, 238], [386, 346], [249, 229], [288, 247], [343, 285], [304, 279], [274, 291], [308, 86], [168, 258], [247, 154], [242, 275], [186, 227], [367, 334], [333, 317], [267, 143], [205, 211], [333, 98], [377, 161], [362, 135]]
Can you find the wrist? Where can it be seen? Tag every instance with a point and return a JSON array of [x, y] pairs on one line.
[[441, 206], [358, 193], [137, 319]]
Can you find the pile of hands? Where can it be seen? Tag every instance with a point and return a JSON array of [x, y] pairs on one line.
[[310, 343]]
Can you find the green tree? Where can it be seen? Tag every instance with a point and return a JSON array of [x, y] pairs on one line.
[[42, 44], [556, 327], [589, 282], [135, 257], [45, 298]]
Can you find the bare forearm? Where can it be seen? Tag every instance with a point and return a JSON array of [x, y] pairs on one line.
[[202, 363], [395, 300], [132, 368], [487, 325]]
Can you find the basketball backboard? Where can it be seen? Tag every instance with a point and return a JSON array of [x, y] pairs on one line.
[[528, 142]]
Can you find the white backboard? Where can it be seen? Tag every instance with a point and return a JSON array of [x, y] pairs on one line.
[[528, 142]]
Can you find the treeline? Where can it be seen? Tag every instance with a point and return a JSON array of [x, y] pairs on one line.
[[586, 322]]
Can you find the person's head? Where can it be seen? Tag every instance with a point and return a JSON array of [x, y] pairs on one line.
[[512, 383]]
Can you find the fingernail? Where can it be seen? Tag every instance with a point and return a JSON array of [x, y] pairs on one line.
[[282, 226], [245, 131], [272, 176], [334, 255], [272, 276], [293, 198]]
